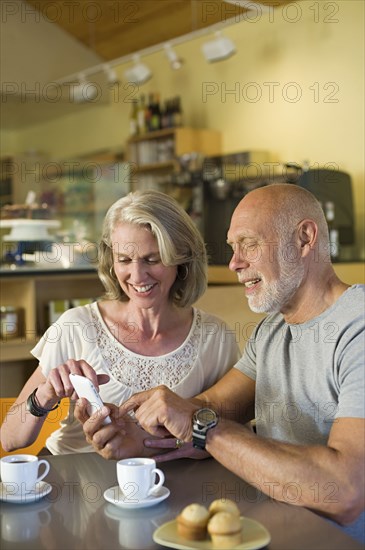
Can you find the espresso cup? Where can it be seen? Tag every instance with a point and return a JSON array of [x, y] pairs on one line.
[[137, 478], [20, 473]]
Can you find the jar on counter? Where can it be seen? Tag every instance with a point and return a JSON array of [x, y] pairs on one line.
[[11, 321]]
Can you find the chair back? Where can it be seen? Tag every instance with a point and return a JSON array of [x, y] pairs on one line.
[[51, 424]]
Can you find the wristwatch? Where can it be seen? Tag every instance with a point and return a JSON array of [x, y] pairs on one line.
[[203, 420]]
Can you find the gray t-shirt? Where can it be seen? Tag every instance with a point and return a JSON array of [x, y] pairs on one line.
[[309, 374]]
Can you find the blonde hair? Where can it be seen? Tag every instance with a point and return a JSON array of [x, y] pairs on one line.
[[179, 241]]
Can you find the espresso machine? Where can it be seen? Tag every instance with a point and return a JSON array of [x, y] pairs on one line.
[[228, 178]]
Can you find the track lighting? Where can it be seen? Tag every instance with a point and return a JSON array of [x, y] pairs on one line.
[[83, 91], [139, 73], [250, 6], [175, 61], [218, 49], [111, 75]]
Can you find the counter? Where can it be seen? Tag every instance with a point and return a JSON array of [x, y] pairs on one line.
[[352, 271]]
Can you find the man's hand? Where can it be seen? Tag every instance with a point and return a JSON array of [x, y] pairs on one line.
[[161, 412], [123, 438]]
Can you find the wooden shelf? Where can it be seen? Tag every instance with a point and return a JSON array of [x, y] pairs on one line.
[[153, 135], [17, 349], [33, 293], [168, 165], [153, 156]]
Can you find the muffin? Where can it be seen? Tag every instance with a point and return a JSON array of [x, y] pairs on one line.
[[225, 530], [224, 505], [192, 522]]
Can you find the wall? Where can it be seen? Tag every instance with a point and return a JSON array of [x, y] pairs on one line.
[[294, 88], [34, 50]]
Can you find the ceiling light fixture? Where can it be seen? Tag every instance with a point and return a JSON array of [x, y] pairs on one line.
[[218, 49], [111, 75], [83, 91], [175, 61], [139, 73]]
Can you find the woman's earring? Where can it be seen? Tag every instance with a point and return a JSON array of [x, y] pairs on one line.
[[185, 276]]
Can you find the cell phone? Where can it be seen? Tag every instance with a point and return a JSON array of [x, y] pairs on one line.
[[85, 388]]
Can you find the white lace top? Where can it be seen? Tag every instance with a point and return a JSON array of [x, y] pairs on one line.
[[140, 372], [209, 350]]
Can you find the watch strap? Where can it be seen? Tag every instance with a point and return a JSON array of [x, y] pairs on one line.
[[199, 440], [200, 429]]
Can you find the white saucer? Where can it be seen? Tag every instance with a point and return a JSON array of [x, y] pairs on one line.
[[115, 496], [41, 490]]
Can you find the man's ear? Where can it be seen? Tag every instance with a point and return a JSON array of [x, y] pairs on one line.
[[307, 236]]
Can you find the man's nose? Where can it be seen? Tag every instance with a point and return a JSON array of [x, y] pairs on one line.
[[238, 260]]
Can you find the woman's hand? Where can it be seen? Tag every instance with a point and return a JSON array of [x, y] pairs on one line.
[[173, 448], [123, 438], [58, 383]]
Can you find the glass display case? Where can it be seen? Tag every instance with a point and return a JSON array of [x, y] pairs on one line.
[[53, 213]]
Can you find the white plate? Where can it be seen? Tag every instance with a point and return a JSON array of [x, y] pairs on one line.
[[41, 490], [115, 496], [254, 536]]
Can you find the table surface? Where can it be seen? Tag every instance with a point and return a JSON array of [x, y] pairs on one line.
[[75, 515]]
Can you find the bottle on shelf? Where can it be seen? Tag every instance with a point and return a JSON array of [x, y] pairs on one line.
[[156, 113], [133, 118], [141, 115], [165, 115], [177, 116], [148, 113], [329, 210]]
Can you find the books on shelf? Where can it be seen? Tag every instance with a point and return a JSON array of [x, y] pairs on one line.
[[57, 307]]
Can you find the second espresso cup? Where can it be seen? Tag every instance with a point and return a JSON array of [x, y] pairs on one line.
[[137, 478], [21, 472]]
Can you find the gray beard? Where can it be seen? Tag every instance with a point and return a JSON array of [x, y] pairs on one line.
[[275, 295]]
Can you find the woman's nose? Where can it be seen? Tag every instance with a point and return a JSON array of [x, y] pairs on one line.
[[137, 268]]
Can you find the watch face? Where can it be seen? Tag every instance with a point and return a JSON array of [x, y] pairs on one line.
[[206, 416]]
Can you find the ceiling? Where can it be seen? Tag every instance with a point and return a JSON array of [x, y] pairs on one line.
[[118, 28], [81, 34]]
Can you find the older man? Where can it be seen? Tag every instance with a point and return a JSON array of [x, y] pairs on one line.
[[303, 367]]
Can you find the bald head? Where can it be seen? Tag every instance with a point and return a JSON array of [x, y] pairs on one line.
[[283, 206]]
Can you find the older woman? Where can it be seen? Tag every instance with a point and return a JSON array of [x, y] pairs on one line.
[[145, 332]]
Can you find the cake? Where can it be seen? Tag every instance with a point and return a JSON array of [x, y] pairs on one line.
[[192, 522], [224, 505], [225, 530]]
